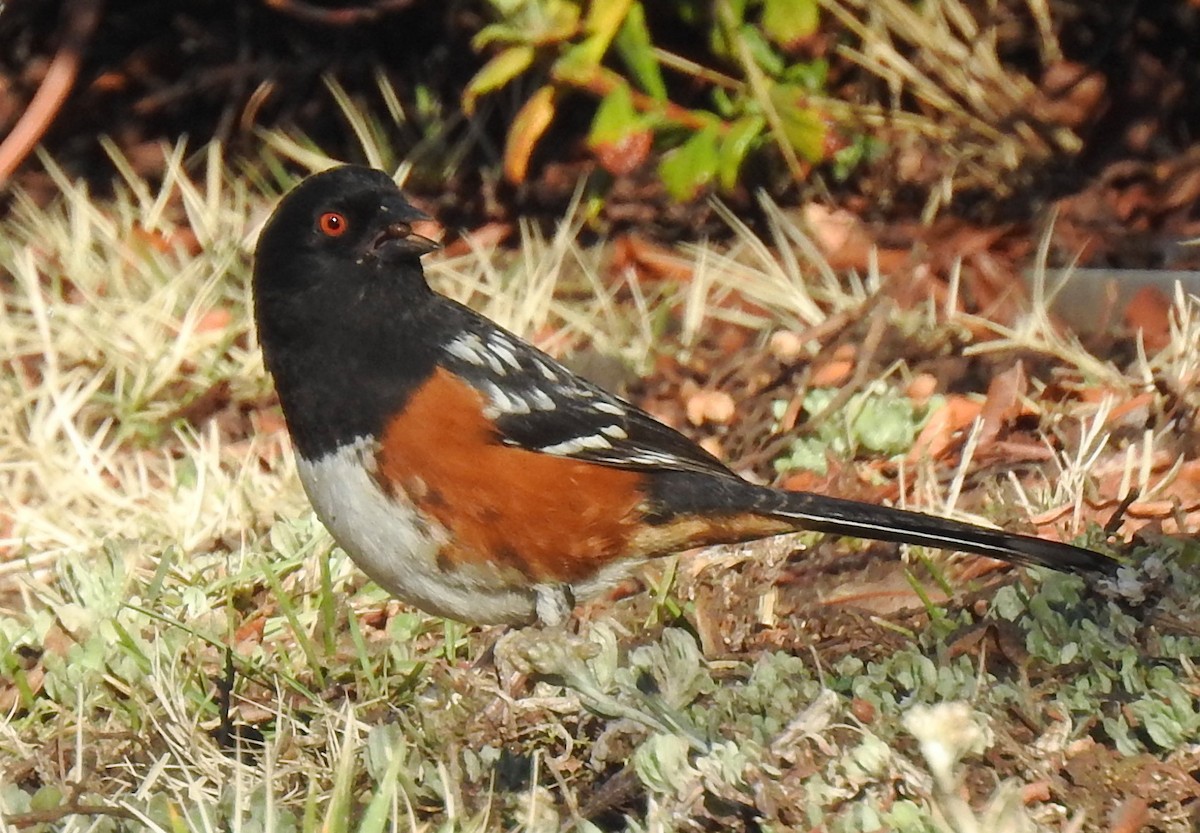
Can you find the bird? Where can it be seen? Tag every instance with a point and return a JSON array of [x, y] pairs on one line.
[[472, 475]]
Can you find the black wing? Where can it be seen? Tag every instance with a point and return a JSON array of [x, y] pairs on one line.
[[540, 405]]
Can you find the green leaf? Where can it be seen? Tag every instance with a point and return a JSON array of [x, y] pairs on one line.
[[575, 66], [498, 33], [602, 23], [734, 147], [787, 22], [730, 15], [555, 22], [886, 425], [662, 763], [691, 166], [379, 811], [860, 149], [803, 127], [620, 137], [725, 105], [677, 666], [1168, 723], [502, 68], [733, 12], [49, 797], [636, 49], [761, 50], [811, 75], [506, 8], [341, 797], [615, 118], [544, 23]]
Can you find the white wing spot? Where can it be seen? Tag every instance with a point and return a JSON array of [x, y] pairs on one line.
[[501, 401], [614, 431], [541, 400], [469, 348], [549, 372], [652, 458], [505, 349], [609, 408], [577, 444], [494, 363], [516, 404]]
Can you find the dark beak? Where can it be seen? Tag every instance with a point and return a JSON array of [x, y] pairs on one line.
[[399, 238]]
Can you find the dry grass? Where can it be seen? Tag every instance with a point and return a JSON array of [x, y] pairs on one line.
[[952, 99], [141, 552]]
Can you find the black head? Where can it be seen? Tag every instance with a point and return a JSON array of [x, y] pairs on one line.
[[339, 226], [341, 304]]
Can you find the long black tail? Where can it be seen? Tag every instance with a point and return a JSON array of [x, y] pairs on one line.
[[864, 520]]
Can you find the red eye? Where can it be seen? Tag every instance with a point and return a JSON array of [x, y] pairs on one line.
[[332, 224]]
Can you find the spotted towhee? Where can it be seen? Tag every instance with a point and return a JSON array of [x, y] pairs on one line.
[[471, 474]]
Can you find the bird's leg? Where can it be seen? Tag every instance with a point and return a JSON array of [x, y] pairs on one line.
[[554, 604]]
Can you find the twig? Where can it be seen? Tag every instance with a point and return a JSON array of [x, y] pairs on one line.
[[601, 81], [81, 19], [232, 75], [337, 17], [70, 808], [1118, 515]]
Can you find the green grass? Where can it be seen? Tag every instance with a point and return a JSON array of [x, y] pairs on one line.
[[141, 552]]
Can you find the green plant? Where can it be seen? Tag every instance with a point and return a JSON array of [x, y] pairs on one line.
[[877, 420], [766, 101]]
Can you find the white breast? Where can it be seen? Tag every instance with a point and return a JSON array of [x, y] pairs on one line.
[[397, 547]]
